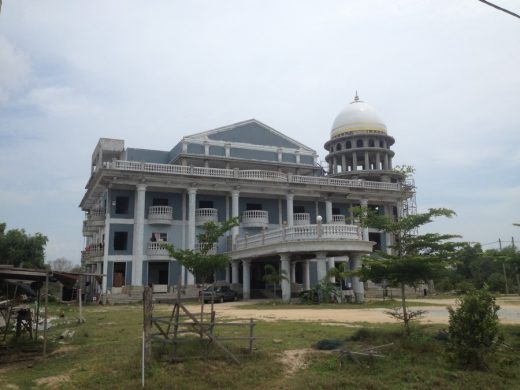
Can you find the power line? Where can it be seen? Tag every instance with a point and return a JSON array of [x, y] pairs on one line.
[[500, 8]]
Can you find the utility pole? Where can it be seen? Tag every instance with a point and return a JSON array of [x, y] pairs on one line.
[[503, 267], [516, 266]]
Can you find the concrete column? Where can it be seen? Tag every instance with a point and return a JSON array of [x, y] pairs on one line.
[[357, 284], [343, 163], [378, 161], [388, 236], [306, 275], [385, 162], [104, 281], [192, 197], [285, 260], [246, 279], [137, 248], [234, 213], [328, 211], [330, 265], [234, 271], [334, 165], [293, 272], [290, 211], [228, 276], [364, 203], [354, 161], [321, 262], [367, 161], [389, 162]]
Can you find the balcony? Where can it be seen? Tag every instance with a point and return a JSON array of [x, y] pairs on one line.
[[88, 229], [205, 215], [160, 215], [96, 217], [156, 251], [338, 219], [300, 219], [212, 251], [255, 219], [94, 252]]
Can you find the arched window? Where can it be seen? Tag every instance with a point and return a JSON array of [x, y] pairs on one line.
[[359, 143], [338, 147], [371, 143], [348, 145]]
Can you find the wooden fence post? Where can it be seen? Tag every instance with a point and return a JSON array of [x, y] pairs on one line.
[[147, 323]]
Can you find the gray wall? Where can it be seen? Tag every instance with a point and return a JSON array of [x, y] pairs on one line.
[[113, 197], [147, 155], [115, 227]]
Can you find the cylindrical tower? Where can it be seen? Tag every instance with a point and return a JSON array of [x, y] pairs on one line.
[[359, 146]]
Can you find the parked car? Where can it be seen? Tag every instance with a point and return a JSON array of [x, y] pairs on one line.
[[219, 294]]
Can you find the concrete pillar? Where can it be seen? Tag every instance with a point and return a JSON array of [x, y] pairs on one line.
[[334, 165], [285, 260], [290, 211], [367, 161], [328, 211], [321, 263], [234, 213], [385, 162], [354, 161], [234, 271], [104, 281], [390, 163], [357, 284], [378, 161], [388, 236], [364, 203], [137, 248], [246, 279], [343, 163], [306, 275], [330, 265], [293, 272], [192, 197], [228, 276]]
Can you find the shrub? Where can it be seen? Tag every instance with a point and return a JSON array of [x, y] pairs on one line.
[[474, 329]]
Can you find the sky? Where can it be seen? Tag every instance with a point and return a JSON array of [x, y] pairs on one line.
[[443, 74]]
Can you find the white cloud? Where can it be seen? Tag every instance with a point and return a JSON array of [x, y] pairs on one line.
[[61, 101], [14, 70]]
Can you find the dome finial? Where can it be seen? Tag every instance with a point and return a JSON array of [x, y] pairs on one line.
[[356, 98]]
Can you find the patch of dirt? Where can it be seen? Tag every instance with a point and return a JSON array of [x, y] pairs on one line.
[[65, 349], [52, 381], [295, 360]]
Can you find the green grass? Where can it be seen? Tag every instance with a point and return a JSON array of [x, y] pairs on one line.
[[105, 354]]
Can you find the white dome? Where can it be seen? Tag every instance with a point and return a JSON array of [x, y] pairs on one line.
[[357, 116]]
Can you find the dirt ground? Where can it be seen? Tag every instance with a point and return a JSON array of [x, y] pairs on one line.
[[509, 312]]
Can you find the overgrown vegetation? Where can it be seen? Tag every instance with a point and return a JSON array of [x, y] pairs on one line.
[[20, 249], [473, 329]]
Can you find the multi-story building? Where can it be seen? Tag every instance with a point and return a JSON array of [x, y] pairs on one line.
[[293, 214]]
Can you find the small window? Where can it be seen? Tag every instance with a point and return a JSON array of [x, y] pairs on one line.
[[338, 147], [253, 206], [122, 204], [120, 241], [160, 202], [159, 237], [336, 211], [371, 143], [359, 143], [348, 145], [205, 204]]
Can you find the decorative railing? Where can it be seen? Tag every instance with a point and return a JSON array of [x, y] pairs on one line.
[[205, 215], [338, 219], [160, 214], [88, 229], [156, 249], [255, 218], [300, 233], [96, 215], [257, 175], [211, 251], [94, 250], [301, 219]]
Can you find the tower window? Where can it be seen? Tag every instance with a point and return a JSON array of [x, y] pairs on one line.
[[338, 147], [371, 143], [359, 143], [348, 145], [122, 204], [120, 241]]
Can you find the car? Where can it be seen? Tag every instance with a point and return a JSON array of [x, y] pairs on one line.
[[219, 294]]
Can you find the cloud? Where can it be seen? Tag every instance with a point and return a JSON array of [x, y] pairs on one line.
[[61, 101], [15, 70]]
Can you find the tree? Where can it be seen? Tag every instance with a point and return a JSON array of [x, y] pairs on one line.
[[474, 329], [413, 259], [20, 249], [61, 264], [274, 276]]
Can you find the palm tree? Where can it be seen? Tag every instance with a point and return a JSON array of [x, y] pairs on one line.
[[274, 276]]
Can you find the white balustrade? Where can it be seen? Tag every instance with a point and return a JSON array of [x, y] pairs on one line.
[[96, 215], [160, 215], [94, 251], [300, 233], [301, 219], [205, 215], [211, 251], [255, 219], [155, 249], [258, 175], [338, 219]]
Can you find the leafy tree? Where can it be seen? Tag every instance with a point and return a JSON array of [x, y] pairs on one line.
[[61, 264], [20, 249], [274, 276], [413, 259], [473, 329], [200, 262]]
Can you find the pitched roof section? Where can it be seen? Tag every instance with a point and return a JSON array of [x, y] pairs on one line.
[[250, 132]]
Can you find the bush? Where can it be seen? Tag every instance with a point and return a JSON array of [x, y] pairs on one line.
[[474, 329]]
